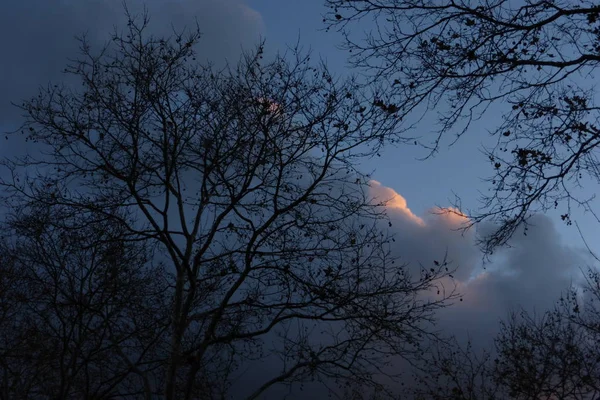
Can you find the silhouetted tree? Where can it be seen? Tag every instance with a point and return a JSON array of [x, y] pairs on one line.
[[535, 59], [244, 179], [84, 311], [554, 356], [454, 372], [546, 358]]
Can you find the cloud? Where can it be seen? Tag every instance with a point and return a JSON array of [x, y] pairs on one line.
[[393, 202], [37, 36], [434, 236], [532, 273]]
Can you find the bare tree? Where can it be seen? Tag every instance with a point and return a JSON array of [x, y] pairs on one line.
[[450, 370], [535, 59], [554, 356], [85, 318], [245, 180], [546, 358]]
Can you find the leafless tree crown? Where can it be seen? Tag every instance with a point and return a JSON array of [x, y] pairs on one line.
[[237, 188]]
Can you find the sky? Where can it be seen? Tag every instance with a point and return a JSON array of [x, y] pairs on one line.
[[36, 38]]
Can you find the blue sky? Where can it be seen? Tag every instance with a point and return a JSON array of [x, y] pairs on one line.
[[37, 38]]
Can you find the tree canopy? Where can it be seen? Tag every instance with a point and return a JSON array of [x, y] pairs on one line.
[[226, 205], [553, 355]]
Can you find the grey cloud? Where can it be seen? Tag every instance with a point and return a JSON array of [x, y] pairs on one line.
[[531, 274], [37, 36]]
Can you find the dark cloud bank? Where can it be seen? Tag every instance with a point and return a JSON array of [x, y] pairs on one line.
[[38, 36]]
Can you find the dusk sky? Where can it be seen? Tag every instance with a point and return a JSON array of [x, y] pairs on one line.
[[36, 38]]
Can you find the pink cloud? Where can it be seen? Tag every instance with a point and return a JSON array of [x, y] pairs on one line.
[[393, 201]]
